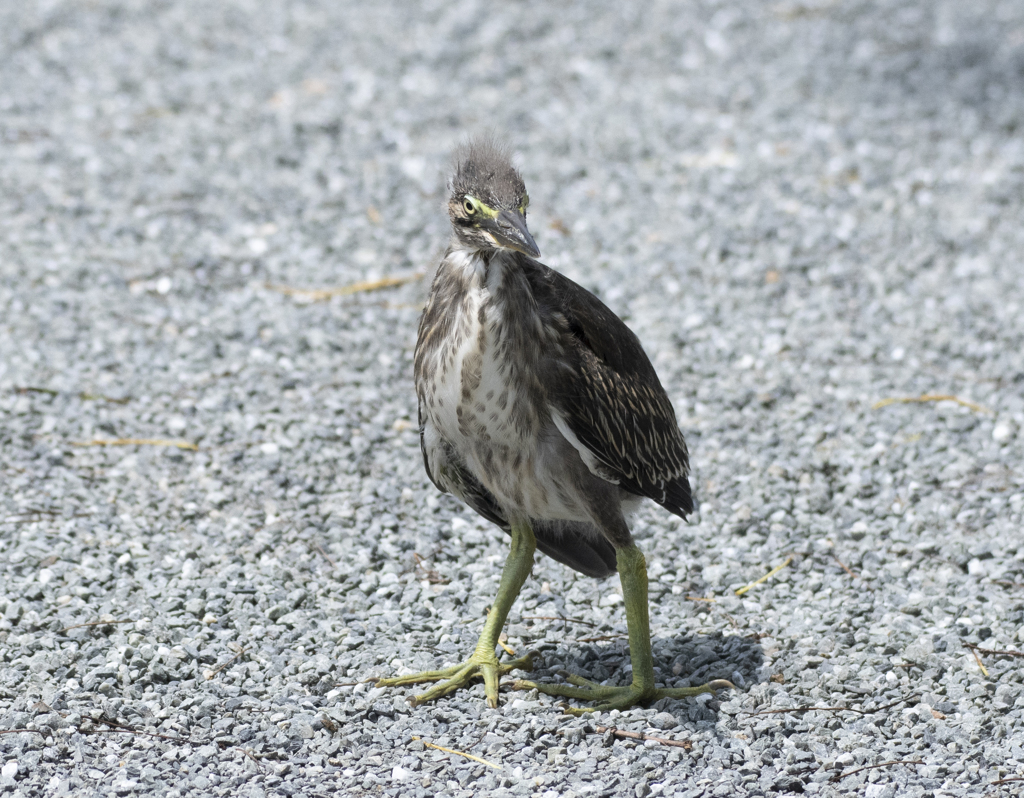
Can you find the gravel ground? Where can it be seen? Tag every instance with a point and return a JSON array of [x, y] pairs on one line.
[[801, 208]]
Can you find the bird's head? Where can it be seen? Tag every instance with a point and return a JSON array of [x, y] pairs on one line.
[[488, 199]]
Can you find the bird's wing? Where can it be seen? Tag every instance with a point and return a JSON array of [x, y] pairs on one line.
[[606, 399]]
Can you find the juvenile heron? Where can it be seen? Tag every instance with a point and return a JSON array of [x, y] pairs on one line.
[[539, 409]]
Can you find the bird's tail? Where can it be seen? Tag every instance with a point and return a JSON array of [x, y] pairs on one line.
[[579, 545]]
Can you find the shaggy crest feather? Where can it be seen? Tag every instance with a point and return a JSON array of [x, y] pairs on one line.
[[483, 166]]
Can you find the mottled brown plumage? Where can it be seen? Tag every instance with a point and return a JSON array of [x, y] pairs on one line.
[[540, 410], [558, 416]]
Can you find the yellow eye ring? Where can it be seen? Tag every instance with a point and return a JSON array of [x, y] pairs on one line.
[[468, 205]]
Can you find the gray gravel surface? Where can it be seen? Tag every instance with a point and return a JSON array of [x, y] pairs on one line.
[[802, 208]]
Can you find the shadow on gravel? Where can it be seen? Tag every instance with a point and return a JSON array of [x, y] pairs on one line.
[[696, 659], [678, 662]]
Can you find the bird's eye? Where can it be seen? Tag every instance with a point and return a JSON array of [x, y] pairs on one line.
[[468, 205]]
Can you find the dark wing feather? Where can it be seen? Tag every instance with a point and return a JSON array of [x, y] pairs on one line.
[[606, 392]]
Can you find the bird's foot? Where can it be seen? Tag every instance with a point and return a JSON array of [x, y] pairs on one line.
[[616, 697], [451, 679]]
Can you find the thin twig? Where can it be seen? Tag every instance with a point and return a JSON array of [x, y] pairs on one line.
[[994, 652], [458, 753], [632, 735], [1007, 781], [219, 668], [698, 598], [930, 397], [833, 709], [894, 703], [259, 765], [138, 442], [319, 294], [842, 776], [557, 618], [139, 732], [327, 556], [91, 623], [601, 638], [806, 709], [766, 577], [126, 729], [844, 567]]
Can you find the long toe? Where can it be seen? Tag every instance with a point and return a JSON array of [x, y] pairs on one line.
[[420, 678], [608, 697], [688, 692], [458, 676]]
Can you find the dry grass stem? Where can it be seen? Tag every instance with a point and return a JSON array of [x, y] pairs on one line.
[[138, 442], [930, 397], [981, 665], [459, 753], [321, 294], [503, 642], [766, 577]]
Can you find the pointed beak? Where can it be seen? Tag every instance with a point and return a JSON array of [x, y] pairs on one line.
[[509, 230]]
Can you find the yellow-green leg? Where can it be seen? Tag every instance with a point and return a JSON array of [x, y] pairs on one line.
[[633, 574], [484, 663]]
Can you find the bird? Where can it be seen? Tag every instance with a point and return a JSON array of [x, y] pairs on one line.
[[539, 409]]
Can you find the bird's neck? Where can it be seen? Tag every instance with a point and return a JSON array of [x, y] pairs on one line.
[[484, 268]]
